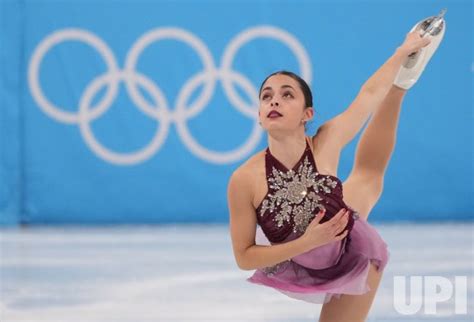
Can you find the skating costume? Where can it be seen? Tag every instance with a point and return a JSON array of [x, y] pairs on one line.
[[293, 199]]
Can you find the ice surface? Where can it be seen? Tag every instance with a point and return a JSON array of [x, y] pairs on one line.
[[188, 273]]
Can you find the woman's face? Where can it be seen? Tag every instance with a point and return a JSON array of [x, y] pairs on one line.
[[282, 104]]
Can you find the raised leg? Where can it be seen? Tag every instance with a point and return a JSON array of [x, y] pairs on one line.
[[362, 190], [377, 142], [364, 185]]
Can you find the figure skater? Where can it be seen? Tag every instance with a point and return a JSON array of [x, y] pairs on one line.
[[316, 244]]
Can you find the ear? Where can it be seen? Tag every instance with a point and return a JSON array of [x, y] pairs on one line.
[[309, 113]]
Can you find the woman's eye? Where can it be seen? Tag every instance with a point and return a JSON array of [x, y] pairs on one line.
[[265, 96], [287, 94]]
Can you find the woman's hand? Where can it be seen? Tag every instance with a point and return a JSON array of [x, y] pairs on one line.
[[414, 42], [317, 234]]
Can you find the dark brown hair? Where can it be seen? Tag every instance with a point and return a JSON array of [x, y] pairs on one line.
[[308, 97]]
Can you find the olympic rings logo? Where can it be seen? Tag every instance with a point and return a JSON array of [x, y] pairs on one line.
[[160, 109]]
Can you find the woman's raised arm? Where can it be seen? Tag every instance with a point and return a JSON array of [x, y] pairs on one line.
[[346, 125]]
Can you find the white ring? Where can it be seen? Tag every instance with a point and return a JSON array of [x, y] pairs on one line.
[[160, 109]]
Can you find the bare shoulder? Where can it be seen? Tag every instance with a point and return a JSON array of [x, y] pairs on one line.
[[246, 174], [324, 136], [243, 187], [326, 149]]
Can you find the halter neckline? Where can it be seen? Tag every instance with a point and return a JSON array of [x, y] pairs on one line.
[[307, 148]]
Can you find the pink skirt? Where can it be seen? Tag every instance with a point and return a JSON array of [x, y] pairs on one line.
[[328, 271]]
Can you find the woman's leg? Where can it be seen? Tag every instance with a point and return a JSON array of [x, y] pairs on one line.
[[361, 192], [377, 142], [352, 308], [364, 185]]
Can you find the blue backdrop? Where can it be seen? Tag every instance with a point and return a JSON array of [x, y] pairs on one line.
[[128, 112]]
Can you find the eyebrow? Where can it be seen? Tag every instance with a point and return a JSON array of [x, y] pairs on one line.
[[283, 86]]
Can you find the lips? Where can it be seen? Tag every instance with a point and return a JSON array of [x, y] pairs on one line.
[[274, 114]]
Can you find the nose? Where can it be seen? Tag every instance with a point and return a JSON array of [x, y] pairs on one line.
[[274, 103]]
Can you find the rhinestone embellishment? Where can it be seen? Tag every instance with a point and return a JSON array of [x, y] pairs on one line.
[[272, 270], [292, 195]]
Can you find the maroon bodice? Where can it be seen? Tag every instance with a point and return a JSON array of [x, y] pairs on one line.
[[296, 195]]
